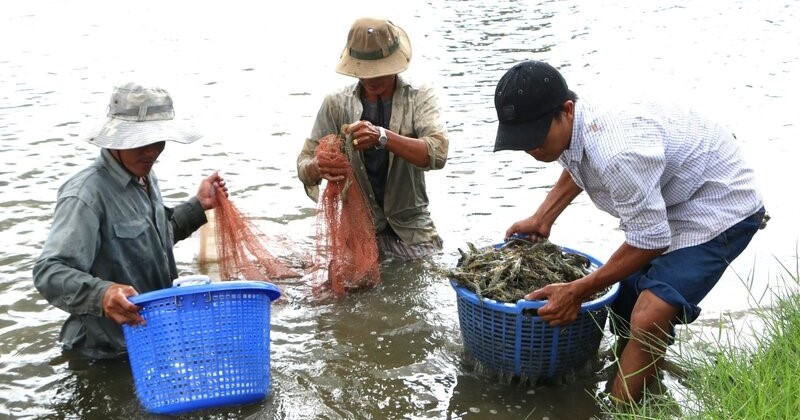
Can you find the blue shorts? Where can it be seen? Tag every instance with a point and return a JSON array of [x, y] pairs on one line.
[[684, 277]]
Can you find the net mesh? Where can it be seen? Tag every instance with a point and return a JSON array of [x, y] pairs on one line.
[[345, 230], [241, 252]]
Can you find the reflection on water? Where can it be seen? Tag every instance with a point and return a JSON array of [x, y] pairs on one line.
[[85, 389], [253, 81], [381, 353]]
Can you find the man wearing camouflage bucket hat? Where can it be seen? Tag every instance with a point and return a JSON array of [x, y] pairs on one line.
[[397, 133], [112, 236]]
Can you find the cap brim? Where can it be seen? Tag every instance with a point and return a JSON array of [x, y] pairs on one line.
[[121, 134], [522, 136]]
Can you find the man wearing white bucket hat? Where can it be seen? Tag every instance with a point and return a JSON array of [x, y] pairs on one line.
[[112, 236], [397, 132]]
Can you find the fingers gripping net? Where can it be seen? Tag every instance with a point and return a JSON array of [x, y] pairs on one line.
[[345, 230], [239, 247]]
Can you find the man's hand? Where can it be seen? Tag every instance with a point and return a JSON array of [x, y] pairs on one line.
[[563, 302], [329, 166], [209, 188], [118, 308], [532, 228], [365, 135]]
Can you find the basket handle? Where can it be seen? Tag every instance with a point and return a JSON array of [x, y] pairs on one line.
[[191, 280], [530, 307]]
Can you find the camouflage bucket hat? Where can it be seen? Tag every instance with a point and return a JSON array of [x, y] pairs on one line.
[[139, 116], [375, 48]]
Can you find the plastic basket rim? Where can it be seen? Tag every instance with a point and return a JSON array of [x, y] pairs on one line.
[[523, 304], [272, 291]]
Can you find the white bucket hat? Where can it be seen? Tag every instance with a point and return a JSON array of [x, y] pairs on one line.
[[139, 116], [375, 48]]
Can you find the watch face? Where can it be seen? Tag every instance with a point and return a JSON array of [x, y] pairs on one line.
[[382, 139]]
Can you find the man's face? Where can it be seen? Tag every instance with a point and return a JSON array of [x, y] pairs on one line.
[[140, 161], [378, 87], [558, 138]]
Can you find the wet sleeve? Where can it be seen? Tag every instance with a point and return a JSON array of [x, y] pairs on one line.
[[61, 273]]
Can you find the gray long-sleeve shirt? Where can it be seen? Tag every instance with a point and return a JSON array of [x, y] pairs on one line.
[[108, 229], [415, 113]]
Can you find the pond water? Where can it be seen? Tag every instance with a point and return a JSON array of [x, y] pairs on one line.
[[252, 78]]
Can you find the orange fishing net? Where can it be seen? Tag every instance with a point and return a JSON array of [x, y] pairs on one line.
[[345, 230], [240, 250]]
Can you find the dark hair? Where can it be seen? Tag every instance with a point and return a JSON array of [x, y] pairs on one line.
[[571, 96]]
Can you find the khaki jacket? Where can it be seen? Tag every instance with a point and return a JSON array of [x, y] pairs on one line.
[[415, 113]]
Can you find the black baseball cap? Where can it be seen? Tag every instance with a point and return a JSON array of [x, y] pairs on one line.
[[526, 100]]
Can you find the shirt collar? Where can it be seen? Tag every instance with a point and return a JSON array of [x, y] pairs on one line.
[[115, 169], [575, 151]]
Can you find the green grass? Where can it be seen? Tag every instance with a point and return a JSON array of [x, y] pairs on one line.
[[753, 378]]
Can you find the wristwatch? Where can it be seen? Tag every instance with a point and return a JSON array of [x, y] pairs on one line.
[[382, 139]]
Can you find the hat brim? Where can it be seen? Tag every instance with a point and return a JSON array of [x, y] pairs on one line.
[[368, 69], [122, 134], [522, 136]]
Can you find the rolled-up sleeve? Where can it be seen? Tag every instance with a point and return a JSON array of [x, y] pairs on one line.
[[429, 126], [324, 124], [61, 271]]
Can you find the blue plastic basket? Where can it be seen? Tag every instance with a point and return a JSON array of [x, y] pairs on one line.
[[510, 339], [203, 346]]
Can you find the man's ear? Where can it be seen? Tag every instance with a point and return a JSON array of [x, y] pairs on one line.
[[569, 108]]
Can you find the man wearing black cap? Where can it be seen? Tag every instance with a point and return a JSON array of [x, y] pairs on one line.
[[686, 200]]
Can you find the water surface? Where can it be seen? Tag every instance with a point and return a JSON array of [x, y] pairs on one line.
[[252, 79]]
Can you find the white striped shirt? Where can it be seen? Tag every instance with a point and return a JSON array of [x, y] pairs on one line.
[[672, 177]]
